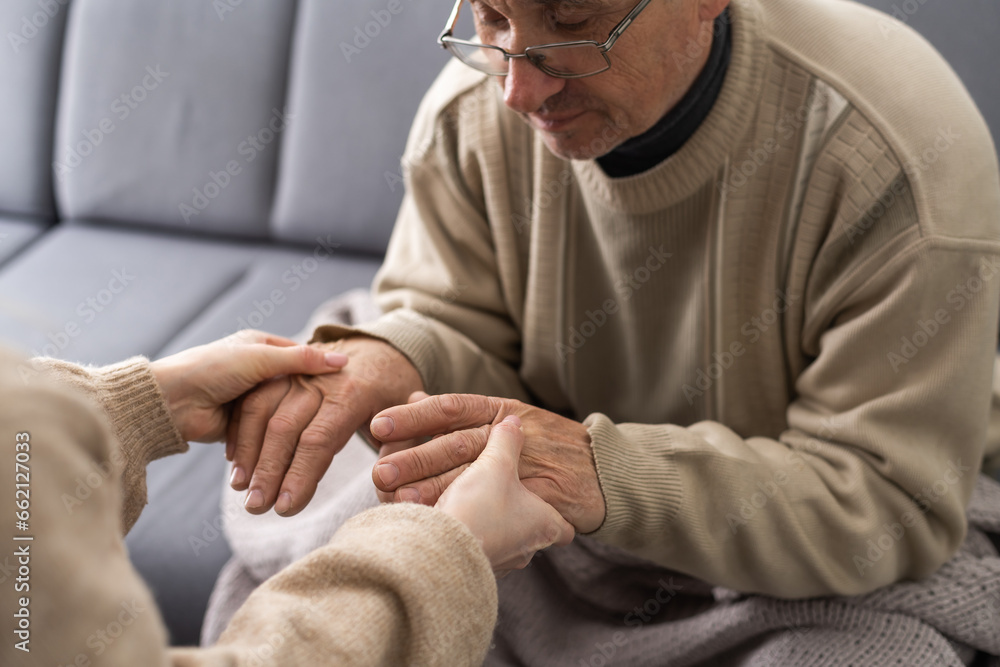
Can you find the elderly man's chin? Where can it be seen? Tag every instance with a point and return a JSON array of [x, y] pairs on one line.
[[588, 137]]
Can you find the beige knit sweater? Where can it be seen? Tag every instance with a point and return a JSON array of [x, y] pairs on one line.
[[781, 338], [398, 585]]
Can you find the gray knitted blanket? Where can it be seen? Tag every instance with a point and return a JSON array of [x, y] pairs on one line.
[[591, 605]]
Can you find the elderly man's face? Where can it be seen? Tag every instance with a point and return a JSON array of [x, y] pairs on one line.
[[652, 66]]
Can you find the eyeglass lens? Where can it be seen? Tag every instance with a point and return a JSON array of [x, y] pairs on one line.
[[557, 60]]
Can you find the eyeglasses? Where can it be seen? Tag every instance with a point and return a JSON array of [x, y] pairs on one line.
[[565, 60]]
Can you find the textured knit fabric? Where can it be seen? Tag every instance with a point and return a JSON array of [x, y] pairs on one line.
[[398, 585], [588, 604], [673, 130], [844, 196]]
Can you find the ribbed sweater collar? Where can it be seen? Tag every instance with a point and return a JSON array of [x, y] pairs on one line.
[[673, 130], [702, 157]]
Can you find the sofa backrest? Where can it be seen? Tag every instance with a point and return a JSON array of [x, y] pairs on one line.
[[32, 39], [158, 98], [250, 118], [263, 118]]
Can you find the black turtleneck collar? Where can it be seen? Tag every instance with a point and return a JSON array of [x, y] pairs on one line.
[[671, 132]]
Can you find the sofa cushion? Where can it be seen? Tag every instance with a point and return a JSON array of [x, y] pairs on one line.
[[15, 234], [159, 98], [32, 32], [98, 294], [359, 71]]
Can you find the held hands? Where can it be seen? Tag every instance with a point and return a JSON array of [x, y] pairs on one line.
[[511, 522], [300, 412], [198, 383], [556, 462]]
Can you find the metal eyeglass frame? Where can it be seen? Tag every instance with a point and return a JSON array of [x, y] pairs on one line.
[[446, 37]]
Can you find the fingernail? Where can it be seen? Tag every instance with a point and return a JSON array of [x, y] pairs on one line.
[[336, 359], [409, 496], [382, 427], [387, 472], [255, 500], [513, 419], [238, 476], [284, 503]]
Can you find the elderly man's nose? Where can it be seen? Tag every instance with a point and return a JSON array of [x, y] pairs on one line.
[[525, 88]]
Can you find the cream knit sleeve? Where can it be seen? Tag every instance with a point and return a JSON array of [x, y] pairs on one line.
[[137, 414], [87, 604], [397, 585], [885, 437]]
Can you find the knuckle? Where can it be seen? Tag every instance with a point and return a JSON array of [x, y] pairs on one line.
[[423, 461], [429, 491], [438, 487], [466, 445], [256, 403], [271, 467], [308, 355], [282, 425], [452, 407], [316, 438], [298, 481], [460, 448]]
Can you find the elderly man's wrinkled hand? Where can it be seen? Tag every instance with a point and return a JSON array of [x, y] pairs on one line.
[[556, 462], [284, 435]]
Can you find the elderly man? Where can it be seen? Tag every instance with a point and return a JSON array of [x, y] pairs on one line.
[[734, 266]]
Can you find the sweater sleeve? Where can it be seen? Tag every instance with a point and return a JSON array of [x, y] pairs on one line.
[[85, 603], [397, 585], [885, 437], [138, 415]]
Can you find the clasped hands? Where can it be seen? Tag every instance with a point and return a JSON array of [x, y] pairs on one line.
[[521, 478]]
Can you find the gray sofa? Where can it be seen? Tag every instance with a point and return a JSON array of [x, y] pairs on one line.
[[173, 171]]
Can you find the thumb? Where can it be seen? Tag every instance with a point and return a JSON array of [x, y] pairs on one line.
[[271, 361], [504, 444]]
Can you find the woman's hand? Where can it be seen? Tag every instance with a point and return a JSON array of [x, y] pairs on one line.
[[198, 383], [511, 522]]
